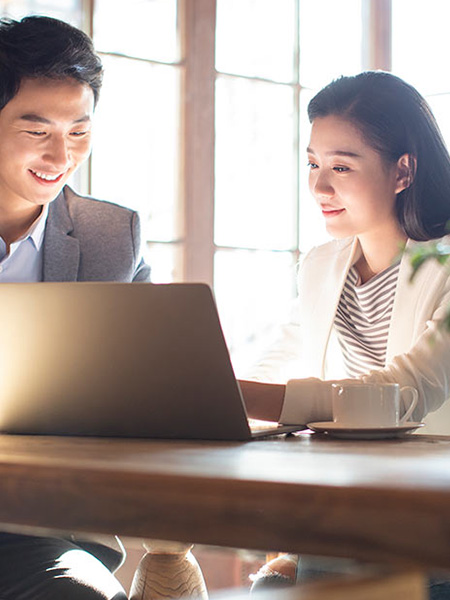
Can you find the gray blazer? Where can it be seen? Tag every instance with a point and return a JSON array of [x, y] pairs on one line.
[[91, 240]]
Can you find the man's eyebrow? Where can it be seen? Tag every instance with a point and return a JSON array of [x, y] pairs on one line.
[[34, 118], [83, 119], [347, 153]]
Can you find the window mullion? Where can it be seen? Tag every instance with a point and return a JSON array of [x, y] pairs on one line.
[[84, 174], [87, 7], [198, 20], [377, 36], [297, 92]]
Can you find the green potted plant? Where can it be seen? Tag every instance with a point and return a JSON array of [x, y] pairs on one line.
[[433, 251]]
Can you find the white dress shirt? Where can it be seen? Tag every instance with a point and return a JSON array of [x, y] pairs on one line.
[[23, 263]]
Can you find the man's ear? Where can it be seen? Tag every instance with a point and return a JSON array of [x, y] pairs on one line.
[[406, 171]]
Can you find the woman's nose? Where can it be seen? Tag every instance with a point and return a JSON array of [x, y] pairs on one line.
[[320, 185]]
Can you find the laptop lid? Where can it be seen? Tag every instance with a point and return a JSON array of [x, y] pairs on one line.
[[116, 359]]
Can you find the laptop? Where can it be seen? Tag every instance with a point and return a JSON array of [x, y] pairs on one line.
[[117, 360]]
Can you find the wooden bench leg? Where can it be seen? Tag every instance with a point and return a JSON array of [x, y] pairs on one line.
[[168, 570]]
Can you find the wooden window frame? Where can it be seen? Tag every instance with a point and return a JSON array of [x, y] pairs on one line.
[[196, 22]]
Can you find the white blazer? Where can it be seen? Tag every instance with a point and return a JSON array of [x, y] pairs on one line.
[[418, 351]]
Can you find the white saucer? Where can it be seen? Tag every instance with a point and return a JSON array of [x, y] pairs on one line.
[[340, 430]]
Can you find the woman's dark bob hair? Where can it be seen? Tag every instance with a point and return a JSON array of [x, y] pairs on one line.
[[395, 120]]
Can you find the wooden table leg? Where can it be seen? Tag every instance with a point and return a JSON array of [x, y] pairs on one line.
[[168, 570]]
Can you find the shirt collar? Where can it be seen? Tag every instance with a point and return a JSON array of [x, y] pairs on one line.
[[37, 229]]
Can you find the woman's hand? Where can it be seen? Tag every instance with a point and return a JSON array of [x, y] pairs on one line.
[[263, 400]]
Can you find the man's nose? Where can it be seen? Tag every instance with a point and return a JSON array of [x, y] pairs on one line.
[[57, 153]]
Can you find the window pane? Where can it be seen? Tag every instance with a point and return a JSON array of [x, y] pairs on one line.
[[256, 38], [330, 40], [164, 260], [440, 106], [255, 162], [66, 10], [135, 156], [254, 291], [138, 28], [421, 44]]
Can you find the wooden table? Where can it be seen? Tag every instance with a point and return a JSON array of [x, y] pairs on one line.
[[383, 501]]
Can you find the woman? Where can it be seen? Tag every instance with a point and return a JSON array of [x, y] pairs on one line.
[[380, 173]]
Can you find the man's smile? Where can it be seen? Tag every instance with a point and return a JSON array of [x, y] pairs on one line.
[[46, 177]]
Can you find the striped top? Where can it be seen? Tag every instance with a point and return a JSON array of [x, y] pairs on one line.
[[362, 320]]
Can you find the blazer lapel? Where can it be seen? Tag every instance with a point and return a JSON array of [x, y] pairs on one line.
[[61, 250], [414, 302], [327, 275], [337, 268]]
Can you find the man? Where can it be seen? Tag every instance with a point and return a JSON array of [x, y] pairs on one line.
[[50, 80]]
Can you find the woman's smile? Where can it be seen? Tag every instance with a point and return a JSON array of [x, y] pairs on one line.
[[329, 212]]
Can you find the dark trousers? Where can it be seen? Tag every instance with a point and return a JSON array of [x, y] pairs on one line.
[[37, 568], [313, 568]]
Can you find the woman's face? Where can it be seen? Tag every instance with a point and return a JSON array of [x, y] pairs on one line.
[[354, 187]]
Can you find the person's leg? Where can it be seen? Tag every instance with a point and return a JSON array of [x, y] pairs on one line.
[[111, 558], [281, 572], [439, 588], [34, 568]]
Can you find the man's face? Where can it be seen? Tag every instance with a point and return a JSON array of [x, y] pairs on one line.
[[45, 135]]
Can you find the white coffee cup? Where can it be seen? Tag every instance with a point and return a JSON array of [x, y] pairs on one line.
[[372, 404]]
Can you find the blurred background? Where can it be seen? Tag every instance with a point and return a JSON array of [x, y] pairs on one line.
[[202, 128]]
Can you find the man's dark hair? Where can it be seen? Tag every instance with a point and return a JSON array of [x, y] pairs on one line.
[[39, 47]]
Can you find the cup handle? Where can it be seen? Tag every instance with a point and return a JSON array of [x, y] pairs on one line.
[[339, 389], [412, 406]]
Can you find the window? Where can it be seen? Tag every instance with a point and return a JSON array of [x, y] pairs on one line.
[[420, 52], [136, 156], [268, 66], [67, 10], [201, 127]]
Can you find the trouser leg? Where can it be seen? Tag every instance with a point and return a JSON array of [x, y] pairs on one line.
[[314, 568], [36, 568], [439, 588]]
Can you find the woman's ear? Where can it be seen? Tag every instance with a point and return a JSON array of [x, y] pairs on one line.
[[406, 171]]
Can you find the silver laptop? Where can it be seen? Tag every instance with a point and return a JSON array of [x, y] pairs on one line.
[[117, 359]]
